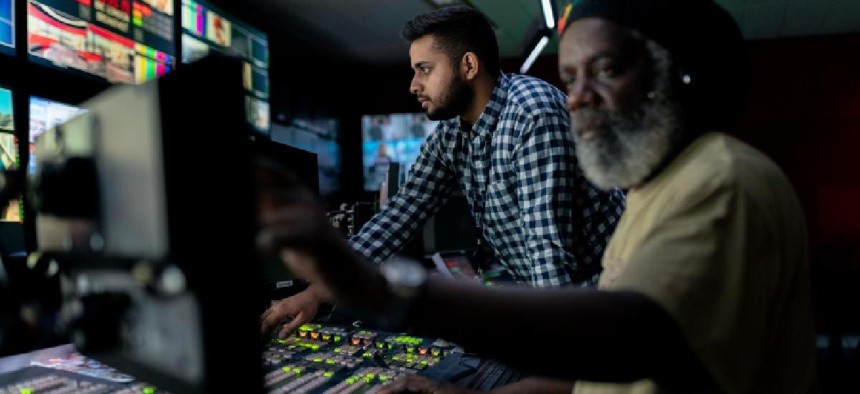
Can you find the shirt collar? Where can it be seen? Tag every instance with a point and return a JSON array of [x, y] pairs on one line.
[[486, 123]]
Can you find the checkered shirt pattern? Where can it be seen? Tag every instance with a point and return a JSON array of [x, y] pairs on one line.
[[517, 168]]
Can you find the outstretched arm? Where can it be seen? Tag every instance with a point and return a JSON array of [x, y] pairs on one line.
[[611, 336]]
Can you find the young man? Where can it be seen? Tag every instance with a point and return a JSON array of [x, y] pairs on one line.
[[706, 279], [503, 140]]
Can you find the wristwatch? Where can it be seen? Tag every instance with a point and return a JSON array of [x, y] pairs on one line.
[[405, 280]]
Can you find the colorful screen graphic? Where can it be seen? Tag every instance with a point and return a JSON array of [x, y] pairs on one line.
[[7, 27], [123, 41], [391, 138], [45, 114], [9, 158], [205, 29]]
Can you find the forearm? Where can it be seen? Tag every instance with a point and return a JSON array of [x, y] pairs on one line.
[[537, 385], [611, 336]]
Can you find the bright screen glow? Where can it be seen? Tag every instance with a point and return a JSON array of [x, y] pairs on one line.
[[45, 114], [7, 27], [9, 158]]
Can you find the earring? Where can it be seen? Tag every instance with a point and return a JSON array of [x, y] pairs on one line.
[[686, 79]]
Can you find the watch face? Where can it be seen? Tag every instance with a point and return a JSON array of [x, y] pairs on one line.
[[406, 273]]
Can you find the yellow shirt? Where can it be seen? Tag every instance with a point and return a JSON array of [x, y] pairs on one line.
[[718, 240]]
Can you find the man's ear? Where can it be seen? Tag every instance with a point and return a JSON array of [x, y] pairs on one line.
[[469, 66]]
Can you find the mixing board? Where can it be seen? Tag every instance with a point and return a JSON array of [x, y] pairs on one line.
[[334, 360], [317, 359]]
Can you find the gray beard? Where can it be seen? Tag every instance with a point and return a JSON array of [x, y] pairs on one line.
[[630, 146]]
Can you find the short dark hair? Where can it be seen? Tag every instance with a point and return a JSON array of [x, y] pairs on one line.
[[458, 29]]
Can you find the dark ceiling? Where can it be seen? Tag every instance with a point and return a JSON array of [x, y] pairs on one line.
[[367, 31]]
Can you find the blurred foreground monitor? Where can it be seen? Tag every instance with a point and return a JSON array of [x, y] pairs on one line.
[[146, 206]]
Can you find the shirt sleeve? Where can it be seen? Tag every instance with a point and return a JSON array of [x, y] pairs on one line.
[[429, 183], [545, 164]]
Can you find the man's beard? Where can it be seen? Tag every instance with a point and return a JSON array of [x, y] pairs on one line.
[[455, 102], [629, 146]]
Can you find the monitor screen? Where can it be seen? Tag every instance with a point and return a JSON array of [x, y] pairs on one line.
[[206, 28], [391, 137], [7, 27], [9, 152], [318, 135], [123, 41], [45, 114]]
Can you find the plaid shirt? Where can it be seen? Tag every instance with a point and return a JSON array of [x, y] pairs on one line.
[[517, 168]]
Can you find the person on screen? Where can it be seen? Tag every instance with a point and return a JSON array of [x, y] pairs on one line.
[[503, 141], [375, 133], [706, 283], [379, 168], [417, 130]]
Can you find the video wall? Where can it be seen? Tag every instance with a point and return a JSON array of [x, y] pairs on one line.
[[9, 153], [7, 27], [206, 28], [391, 138], [122, 41]]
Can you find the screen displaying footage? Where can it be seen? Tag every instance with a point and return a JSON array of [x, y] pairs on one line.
[[9, 159], [206, 28], [258, 113], [45, 114], [7, 27], [122, 41], [391, 138]]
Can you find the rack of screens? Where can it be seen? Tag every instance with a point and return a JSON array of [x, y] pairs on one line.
[[206, 28], [9, 152], [123, 41], [7, 27], [390, 138]]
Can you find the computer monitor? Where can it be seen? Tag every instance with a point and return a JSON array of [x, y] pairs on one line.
[[45, 114], [9, 158], [302, 163], [317, 134], [7, 27], [155, 242], [119, 40], [391, 138]]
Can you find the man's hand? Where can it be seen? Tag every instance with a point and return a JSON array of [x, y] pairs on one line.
[[292, 311], [295, 228], [422, 385]]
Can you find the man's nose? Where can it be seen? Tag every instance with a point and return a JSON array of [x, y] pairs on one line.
[[580, 94], [414, 87]]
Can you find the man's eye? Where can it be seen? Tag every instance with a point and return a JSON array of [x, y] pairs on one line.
[[607, 71], [425, 70], [568, 80]]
